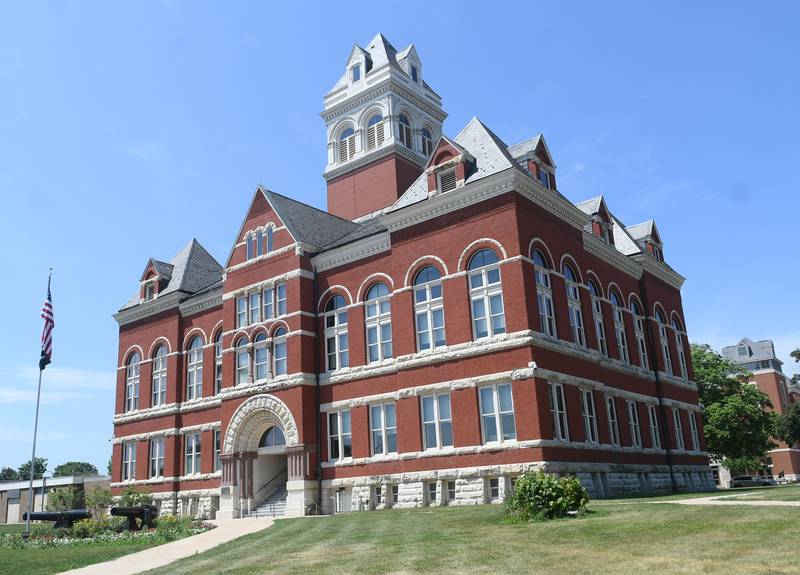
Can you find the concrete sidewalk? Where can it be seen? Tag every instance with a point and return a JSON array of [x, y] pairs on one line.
[[226, 530], [728, 500]]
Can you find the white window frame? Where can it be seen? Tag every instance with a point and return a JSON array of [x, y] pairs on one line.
[[496, 414], [347, 146], [638, 329], [268, 301], [218, 363], [217, 450], [441, 425], [280, 353], [633, 424], [261, 363], [242, 351], [427, 142], [619, 331], [129, 461], [132, 381], [192, 452], [375, 132], [379, 416], [429, 308], [575, 312], [149, 291], [599, 326], [404, 133], [589, 416], [337, 340], [558, 409], [280, 300], [340, 436], [241, 311], [446, 180], [378, 321], [613, 420], [450, 486], [255, 307], [544, 301], [655, 435], [680, 441], [681, 355], [156, 468], [486, 287], [694, 431], [664, 337], [431, 489], [194, 370], [159, 386], [492, 489]]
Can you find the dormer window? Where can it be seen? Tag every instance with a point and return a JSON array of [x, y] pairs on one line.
[[149, 290], [446, 180], [375, 134], [742, 350], [543, 176], [658, 253], [347, 145], [355, 72], [414, 75]]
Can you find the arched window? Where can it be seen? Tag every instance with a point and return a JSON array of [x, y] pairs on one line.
[[681, 350], [486, 295], [272, 437], [574, 305], [404, 130], [218, 362], [619, 326], [159, 386], [347, 145], [375, 132], [260, 357], [638, 330], [597, 315], [378, 321], [194, 369], [544, 295], [132, 371], [279, 351], [429, 308], [252, 245], [427, 142], [242, 361], [336, 341], [664, 337]]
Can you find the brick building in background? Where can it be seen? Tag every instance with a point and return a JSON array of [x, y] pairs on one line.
[[450, 321], [758, 357]]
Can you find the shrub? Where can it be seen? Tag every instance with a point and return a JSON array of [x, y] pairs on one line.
[[538, 495], [86, 528], [98, 500], [132, 497], [63, 499]]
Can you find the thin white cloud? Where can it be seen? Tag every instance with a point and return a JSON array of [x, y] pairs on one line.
[[251, 40], [145, 152], [59, 384]]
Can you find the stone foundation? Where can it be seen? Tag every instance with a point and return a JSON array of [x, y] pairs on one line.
[[199, 503]]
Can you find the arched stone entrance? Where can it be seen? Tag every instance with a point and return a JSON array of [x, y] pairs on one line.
[[250, 473]]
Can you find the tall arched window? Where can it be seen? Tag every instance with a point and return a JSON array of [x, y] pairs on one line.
[[336, 340], [404, 130], [664, 338], [132, 371], [574, 306], [427, 142], [242, 361], [638, 330], [378, 321], [429, 308], [597, 316], [260, 357], [218, 362], [681, 350], [486, 295], [272, 437], [347, 145], [194, 369], [619, 326], [544, 295], [159, 387], [375, 132], [279, 351]]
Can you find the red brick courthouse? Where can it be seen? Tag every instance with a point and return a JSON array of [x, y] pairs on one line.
[[450, 321]]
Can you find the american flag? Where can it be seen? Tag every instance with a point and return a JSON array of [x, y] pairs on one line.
[[47, 332]]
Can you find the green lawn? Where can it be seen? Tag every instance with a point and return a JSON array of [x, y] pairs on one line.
[[620, 537], [782, 493], [54, 560]]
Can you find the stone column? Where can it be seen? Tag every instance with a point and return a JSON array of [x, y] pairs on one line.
[[301, 491]]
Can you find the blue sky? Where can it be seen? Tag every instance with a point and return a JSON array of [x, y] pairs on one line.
[[128, 129]]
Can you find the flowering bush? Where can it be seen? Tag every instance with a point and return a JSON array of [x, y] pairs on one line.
[[539, 495]]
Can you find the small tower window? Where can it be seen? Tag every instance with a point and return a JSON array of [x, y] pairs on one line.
[[347, 145], [375, 132], [414, 73], [355, 72], [427, 142], [149, 291], [404, 130], [544, 177], [447, 181]]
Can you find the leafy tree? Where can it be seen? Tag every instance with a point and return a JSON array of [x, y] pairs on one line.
[[132, 497], [715, 376], [743, 465], [8, 474], [796, 376], [75, 468], [63, 499], [787, 425], [40, 466], [98, 500], [740, 424], [109, 467]]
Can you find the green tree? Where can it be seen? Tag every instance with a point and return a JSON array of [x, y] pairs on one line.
[[743, 465], [75, 468], [98, 500], [63, 499], [740, 424], [8, 474], [40, 466], [787, 425], [132, 497], [796, 376], [716, 377], [109, 466]]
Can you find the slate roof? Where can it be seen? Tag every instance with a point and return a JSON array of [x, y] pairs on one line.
[[192, 270], [758, 351], [163, 269], [642, 230], [590, 206]]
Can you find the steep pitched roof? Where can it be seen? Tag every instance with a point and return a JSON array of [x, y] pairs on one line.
[[163, 269], [590, 206], [757, 351], [622, 240], [642, 230]]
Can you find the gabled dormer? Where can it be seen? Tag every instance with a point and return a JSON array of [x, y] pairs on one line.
[[601, 224], [534, 157], [647, 237], [155, 277], [448, 167]]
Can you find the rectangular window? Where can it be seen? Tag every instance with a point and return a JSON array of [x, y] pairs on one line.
[[437, 425], [589, 415], [655, 436], [241, 311], [269, 304], [451, 491], [218, 365], [383, 428], [633, 424], [694, 431], [493, 489], [446, 181], [431, 492], [429, 313], [340, 438], [192, 454], [576, 322], [377, 495], [559, 412], [676, 420], [613, 422], [149, 291], [379, 329], [497, 413], [414, 73], [638, 328], [681, 355], [622, 339], [280, 299], [665, 348], [486, 295], [395, 494], [547, 318], [128, 461], [157, 457], [217, 450], [255, 307], [599, 327], [543, 177], [355, 72]]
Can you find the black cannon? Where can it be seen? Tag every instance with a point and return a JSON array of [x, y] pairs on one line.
[[61, 518], [146, 514]]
